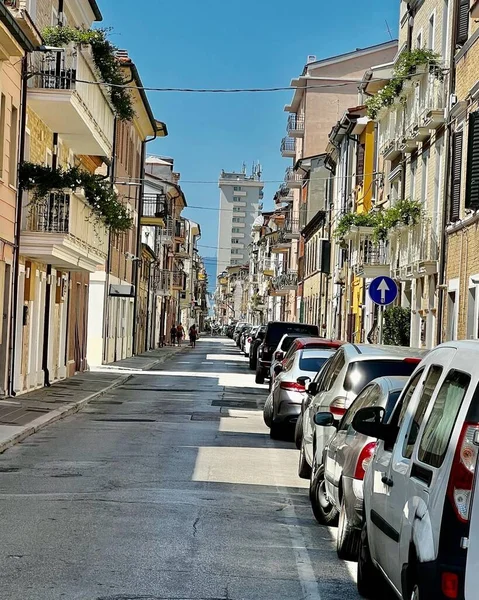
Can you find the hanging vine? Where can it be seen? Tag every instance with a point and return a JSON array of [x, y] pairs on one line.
[[99, 193]]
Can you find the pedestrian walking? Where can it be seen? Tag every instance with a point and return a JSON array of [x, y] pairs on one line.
[[193, 335], [180, 333], [173, 335]]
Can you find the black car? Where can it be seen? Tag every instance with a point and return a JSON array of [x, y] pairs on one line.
[[274, 332], [255, 344]]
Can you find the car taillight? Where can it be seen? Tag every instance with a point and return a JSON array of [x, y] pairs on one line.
[[292, 386], [461, 479], [364, 459], [249, 340], [338, 406], [450, 585]]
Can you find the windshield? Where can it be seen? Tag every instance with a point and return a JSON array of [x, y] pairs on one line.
[[275, 331], [360, 373], [312, 363]]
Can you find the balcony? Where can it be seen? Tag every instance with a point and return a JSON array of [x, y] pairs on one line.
[[267, 266], [64, 100], [180, 231], [391, 149], [292, 179], [165, 233], [288, 147], [182, 252], [367, 257], [178, 280], [284, 283], [290, 229], [59, 231], [424, 111], [414, 251], [19, 10], [162, 282], [154, 210], [295, 127]]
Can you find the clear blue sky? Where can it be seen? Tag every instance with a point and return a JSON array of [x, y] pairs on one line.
[[220, 43]]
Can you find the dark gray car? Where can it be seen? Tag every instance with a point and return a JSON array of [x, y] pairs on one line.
[[346, 458]]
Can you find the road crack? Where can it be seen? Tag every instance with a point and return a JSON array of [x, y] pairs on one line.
[[195, 526]]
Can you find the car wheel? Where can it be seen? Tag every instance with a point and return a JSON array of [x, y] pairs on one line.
[[347, 545], [304, 470], [259, 376], [324, 512], [415, 595], [298, 432], [268, 411], [371, 585]]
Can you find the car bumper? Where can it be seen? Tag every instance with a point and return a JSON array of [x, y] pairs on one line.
[[353, 493], [288, 408], [264, 364]]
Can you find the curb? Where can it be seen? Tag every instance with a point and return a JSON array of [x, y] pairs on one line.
[[56, 415]]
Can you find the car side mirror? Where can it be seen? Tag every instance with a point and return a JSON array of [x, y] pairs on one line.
[[324, 419], [369, 421], [312, 388], [303, 380], [278, 355], [277, 369]]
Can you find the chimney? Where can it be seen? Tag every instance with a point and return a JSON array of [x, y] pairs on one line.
[[311, 59]]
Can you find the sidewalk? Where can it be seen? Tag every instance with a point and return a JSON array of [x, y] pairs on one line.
[[28, 413]]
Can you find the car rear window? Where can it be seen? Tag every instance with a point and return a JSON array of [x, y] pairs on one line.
[[275, 331], [287, 343], [360, 373], [312, 363]]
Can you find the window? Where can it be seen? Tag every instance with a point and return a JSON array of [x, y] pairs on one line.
[[419, 40], [236, 230], [237, 188], [432, 36], [457, 140], [237, 209], [401, 409], [361, 401], [472, 180], [236, 219], [311, 363], [452, 315], [438, 430], [360, 163], [362, 372], [337, 365], [412, 180], [2, 132], [462, 22], [429, 386], [425, 167], [235, 241], [13, 146], [237, 199], [471, 313]]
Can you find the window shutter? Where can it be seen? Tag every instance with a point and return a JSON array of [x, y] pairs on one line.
[[360, 163], [472, 182], [462, 25], [456, 175]]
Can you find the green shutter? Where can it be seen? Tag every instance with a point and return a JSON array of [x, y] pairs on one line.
[[456, 175], [462, 24], [472, 182]]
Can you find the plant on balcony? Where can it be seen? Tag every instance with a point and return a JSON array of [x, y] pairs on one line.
[[99, 193], [397, 326], [405, 212], [404, 69], [349, 220], [105, 59]]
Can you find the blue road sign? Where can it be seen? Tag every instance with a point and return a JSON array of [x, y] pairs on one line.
[[383, 290]]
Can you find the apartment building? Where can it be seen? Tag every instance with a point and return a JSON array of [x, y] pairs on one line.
[[114, 290], [325, 89], [240, 203], [15, 43]]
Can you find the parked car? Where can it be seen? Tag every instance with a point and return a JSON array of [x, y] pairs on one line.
[[311, 342], [282, 348], [472, 564], [255, 344], [274, 332], [238, 333], [352, 367], [345, 460], [249, 338], [242, 338], [284, 403], [419, 485], [237, 329]]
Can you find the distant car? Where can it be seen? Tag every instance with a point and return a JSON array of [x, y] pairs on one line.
[[274, 332], [243, 336], [255, 344], [237, 329], [287, 392], [345, 460], [282, 348], [249, 338], [238, 333]]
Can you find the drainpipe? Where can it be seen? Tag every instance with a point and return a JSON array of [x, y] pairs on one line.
[[18, 230], [138, 239], [447, 179]]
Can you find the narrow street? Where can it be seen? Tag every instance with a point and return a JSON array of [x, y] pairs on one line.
[[169, 487]]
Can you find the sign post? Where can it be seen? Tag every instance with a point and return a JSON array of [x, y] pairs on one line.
[[382, 291]]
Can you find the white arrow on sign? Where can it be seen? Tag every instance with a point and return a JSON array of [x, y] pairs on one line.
[[383, 288]]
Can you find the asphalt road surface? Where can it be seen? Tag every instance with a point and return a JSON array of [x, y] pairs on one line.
[[169, 488]]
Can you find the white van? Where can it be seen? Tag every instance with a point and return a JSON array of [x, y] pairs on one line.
[[418, 487]]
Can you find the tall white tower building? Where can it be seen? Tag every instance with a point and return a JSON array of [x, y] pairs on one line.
[[240, 203]]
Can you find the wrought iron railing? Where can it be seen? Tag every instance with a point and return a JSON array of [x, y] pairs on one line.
[[295, 123], [291, 175], [288, 144], [285, 281], [154, 206], [50, 215]]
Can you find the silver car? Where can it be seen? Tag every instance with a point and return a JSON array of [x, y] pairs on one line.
[[345, 460], [284, 402]]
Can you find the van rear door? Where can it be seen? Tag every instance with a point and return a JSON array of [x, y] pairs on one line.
[[472, 566]]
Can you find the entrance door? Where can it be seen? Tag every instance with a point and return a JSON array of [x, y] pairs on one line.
[[4, 314]]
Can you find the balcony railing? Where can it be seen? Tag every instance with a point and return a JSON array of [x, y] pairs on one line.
[[51, 215], [162, 282], [79, 108], [290, 229], [414, 251], [292, 179], [368, 257], [154, 209], [178, 279], [295, 127], [288, 147], [286, 281], [180, 230]]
